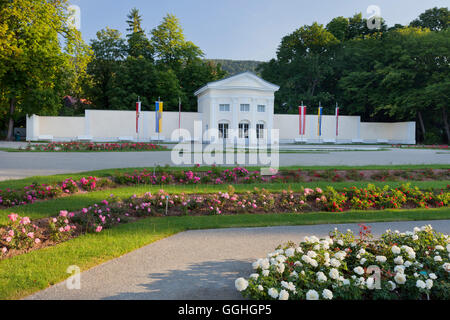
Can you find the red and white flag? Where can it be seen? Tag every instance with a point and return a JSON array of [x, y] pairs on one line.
[[302, 120], [138, 111]]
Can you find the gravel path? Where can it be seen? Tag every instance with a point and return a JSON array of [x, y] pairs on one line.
[[196, 265]]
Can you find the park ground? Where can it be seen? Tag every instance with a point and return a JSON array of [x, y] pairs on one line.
[[204, 241]]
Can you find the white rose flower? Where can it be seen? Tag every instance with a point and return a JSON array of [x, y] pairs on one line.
[[439, 247], [241, 284], [415, 237], [448, 247], [437, 258], [381, 259], [335, 263], [316, 247], [260, 288], [299, 250], [398, 260], [433, 276], [400, 278], [393, 285], [407, 264], [264, 264], [446, 266], [334, 274], [255, 265], [294, 274], [370, 283], [321, 277], [395, 250], [429, 284], [312, 295], [290, 252], [313, 263], [254, 276], [273, 293], [280, 268], [399, 269], [312, 254], [340, 242], [284, 295], [420, 284], [359, 270], [327, 294], [346, 282], [265, 273]]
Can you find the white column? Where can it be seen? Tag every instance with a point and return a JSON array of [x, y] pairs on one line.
[[252, 127], [213, 123], [270, 115], [235, 109]]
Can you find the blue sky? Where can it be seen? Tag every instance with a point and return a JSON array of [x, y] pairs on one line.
[[240, 29]]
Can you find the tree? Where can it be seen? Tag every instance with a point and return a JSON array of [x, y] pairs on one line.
[[170, 46], [34, 66], [435, 19], [303, 67], [195, 75], [134, 21], [109, 51], [339, 27], [138, 43]]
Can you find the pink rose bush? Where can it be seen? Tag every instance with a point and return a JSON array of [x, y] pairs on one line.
[[20, 233], [414, 265]]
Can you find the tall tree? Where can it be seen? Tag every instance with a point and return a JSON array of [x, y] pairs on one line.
[[435, 19], [109, 52], [34, 65], [302, 68], [134, 21], [171, 47], [138, 43]]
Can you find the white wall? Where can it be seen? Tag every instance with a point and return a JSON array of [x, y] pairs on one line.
[[396, 132], [104, 125], [61, 128], [288, 124]]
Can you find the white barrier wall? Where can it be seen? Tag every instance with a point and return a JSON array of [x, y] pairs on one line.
[[113, 125], [288, 124], [397, 132], [60, 128]]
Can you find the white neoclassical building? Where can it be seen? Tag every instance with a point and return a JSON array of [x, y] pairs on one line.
[[241, 106]]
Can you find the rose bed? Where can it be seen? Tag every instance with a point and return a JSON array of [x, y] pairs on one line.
[[397, 266]]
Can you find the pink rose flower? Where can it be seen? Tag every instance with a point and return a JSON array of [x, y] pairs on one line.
[[99, 228], [13, 217]]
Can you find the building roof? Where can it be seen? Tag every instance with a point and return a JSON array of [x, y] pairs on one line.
[[255, 83]]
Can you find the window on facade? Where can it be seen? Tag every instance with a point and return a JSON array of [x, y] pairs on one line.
[[261, 108], [224, 108], [223, 130], [245, 108], [260, 131], [243, 130]]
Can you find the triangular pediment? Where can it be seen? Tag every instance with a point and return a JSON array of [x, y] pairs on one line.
[[246, 80]]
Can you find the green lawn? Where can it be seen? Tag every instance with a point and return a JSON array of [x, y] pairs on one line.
[[28, 273]]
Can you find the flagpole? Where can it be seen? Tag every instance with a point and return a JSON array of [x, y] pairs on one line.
[[179, 113]]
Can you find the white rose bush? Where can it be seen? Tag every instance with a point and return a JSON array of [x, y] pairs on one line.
[[397, 266]]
